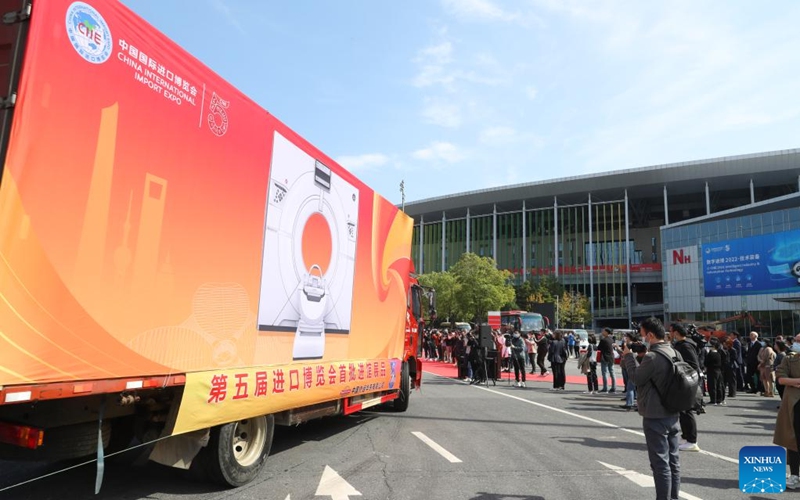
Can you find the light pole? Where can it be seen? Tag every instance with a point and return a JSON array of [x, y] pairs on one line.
[[403, 195]]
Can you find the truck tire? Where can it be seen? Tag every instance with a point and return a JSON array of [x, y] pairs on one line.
[[237, 451], [401, 403]]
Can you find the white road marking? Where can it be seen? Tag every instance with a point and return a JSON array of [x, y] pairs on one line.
[[582, 417], [333, 485], [437, 448], [636, 477], [721, 457], [642, 480]]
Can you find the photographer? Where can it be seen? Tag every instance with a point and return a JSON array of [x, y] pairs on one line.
[[687, 348], [517, 350], [638, 350], [660, 425]]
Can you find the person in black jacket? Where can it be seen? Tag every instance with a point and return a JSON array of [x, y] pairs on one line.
[[558, 355], [606, 349], [541, 351], [688, 351], [737, 364], [753, 348], [715, 362]]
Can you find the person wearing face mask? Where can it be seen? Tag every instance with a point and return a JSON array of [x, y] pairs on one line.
[[660, 425], [517, 349], [787, 424]]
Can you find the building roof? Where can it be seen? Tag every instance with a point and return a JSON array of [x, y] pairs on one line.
[[685, 178]]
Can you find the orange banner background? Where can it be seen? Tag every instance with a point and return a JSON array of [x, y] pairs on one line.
[[134, 224]]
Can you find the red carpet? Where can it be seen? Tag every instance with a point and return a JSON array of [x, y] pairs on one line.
[[449, 370]]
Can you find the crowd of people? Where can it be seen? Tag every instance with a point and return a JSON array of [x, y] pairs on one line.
[[725, 363]]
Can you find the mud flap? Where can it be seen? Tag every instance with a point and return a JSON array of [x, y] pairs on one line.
[[101, 462]]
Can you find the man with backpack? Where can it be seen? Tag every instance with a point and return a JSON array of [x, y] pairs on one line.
[[661, 387], [688, 351]]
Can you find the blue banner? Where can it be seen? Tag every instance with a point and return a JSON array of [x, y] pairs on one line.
[[768, 263]]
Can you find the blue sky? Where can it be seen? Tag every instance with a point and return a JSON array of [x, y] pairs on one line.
[[458, 95]]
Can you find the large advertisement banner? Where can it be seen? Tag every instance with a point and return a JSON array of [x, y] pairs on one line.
[[763, 264], [157, 221]]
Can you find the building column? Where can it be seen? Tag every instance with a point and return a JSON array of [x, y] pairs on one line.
[[591, 264], [469, 230], [708, 200], [752, 192], [555, 233], [666, 207], [421, 269], [524, 245], [628, 262], [494, 235], [444, 240]]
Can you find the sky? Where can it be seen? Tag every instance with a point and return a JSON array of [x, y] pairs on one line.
[[452, 96]]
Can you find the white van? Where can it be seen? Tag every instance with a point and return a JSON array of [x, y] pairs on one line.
[[581, 337]]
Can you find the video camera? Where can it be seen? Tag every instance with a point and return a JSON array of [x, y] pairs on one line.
[[697, 337]]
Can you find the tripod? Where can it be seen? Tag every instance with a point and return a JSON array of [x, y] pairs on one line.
[[482, 368]]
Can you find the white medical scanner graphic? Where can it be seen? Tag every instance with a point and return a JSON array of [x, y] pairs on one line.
[[309, 250]]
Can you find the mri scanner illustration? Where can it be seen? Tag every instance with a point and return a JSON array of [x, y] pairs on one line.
[[309, 250]]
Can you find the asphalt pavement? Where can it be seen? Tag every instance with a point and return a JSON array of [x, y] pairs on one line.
[[456, 441]]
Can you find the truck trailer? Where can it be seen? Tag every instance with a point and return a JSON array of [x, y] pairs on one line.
[[175, 261]]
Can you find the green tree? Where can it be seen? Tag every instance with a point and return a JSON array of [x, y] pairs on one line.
[[523, 294], [481, 286], [446, 288], [542, 291], [573, 310]]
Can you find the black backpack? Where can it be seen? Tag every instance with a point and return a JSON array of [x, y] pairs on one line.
[[680, 391]]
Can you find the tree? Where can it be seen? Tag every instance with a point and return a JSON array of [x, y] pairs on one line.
[[481, 287], [543, 291], [523, 295], [446, 287], [573, 309]]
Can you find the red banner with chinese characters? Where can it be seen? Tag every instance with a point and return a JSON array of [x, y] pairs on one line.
[[157, 221], [567, 270]]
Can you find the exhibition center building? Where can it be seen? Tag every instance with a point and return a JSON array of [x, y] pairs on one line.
[[713, 242]]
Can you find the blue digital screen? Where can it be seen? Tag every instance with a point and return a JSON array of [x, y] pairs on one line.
[[768, 263]]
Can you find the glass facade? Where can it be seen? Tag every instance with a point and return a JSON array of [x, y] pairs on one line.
[[481, 238], [556, 243], [742, 313], [455, 241]]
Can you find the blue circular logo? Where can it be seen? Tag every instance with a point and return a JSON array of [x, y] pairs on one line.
[[88, 33]]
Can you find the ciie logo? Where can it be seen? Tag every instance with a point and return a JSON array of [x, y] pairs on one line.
[[89, 33], [678, 257], [796, 271], [762, 469]]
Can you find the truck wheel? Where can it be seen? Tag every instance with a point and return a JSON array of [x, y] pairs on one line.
[[401, 403], [237, 451]]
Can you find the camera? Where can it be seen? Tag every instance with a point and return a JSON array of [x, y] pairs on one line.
[[637, 347], [697, 337]]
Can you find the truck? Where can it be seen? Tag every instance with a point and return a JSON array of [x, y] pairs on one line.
[[175, 261]]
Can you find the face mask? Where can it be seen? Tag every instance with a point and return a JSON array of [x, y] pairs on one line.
[[796, 348], [516, 335], [646, 343]]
